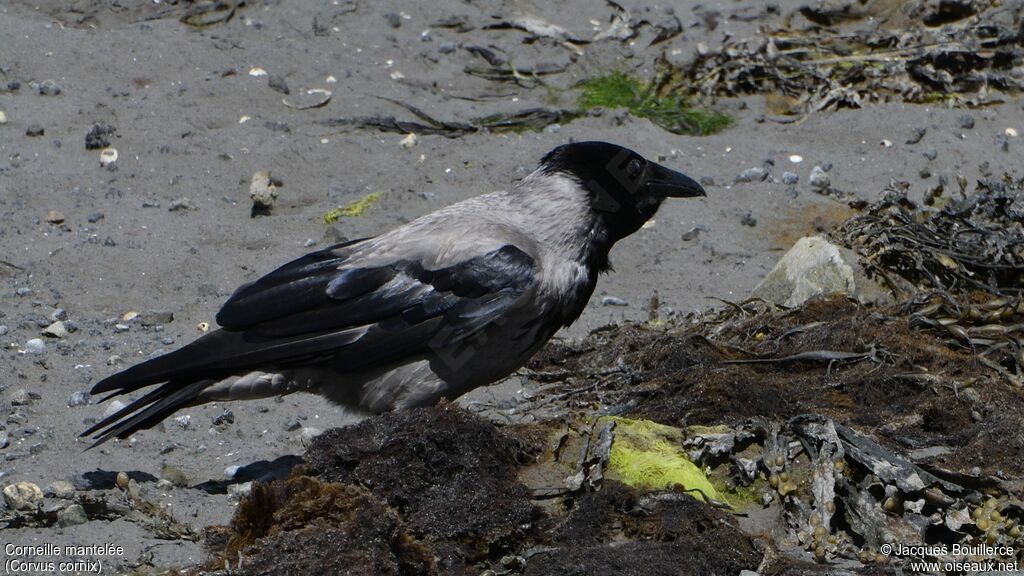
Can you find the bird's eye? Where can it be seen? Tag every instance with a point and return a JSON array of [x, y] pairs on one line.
[[634, 168]]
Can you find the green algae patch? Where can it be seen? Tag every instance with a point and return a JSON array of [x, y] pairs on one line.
[[649, 456], [644, 100], [352, 210]]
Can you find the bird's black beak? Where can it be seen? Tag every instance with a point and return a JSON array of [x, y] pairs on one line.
[[671, 184]]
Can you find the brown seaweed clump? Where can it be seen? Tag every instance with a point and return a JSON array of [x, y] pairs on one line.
[[451, 476], [304, 526]]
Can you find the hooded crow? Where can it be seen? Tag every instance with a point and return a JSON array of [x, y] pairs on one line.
[[451, 301]]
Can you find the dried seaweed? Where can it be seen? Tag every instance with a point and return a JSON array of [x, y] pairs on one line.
[[964, 62], [535, 119]]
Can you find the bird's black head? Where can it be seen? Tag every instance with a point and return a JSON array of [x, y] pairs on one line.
[[626, 189]]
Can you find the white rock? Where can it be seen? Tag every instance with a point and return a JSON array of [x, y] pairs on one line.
[[23, 496], [816, 267]]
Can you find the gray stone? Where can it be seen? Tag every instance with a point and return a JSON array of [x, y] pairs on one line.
[[819, 180], [231, 471], [154, 317], [278, 84], [23, 496], [446, 47], [613, 301], [814, 267], [966, 121], [61, 489], [393, 19], [5, 439], [59, 314], [78, 398], [790, 178], [72, 516], [3, 330], [756, 174], [50, 88], [35, 346], [56, 330]]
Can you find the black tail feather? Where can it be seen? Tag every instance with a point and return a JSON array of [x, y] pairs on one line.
[[147, 411]]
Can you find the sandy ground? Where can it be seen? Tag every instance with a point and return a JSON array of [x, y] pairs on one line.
[[177, 95]]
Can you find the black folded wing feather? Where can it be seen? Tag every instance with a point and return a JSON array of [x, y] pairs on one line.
[[324, 308]]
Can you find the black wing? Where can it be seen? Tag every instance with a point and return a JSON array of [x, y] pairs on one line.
[[308, 311]]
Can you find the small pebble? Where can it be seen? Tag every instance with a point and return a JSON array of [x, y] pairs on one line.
[[393, 19], [3, 330], [3, 117], [231, 471], [756, 174], [278, 84], [94, 217], [966, 121], [5, 439], [154, 317], [796, 158], [181, 204], [56, 330], [931, 153], [185, 421], [224, 418], [409, 141], [78, 398], [613, 301], [790, 178], [58, 314], [60, 489], [748, 220], [107, 157], [35, 346], [73, 515], [446, 47], [98, 135], [50, 88], [917, 135], [707, 181], [819, 180], [292, 425], [34, 130]]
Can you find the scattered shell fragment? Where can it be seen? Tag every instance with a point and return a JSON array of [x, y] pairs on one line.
[[203, 327], [796, 158], [331, 80], [396, 75], [129, 316], [409, 141], [256, 72], [306, 99], [244, 119], [3, 117], [108, 156], [54, 217], [1011, 132], [886, 143]]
